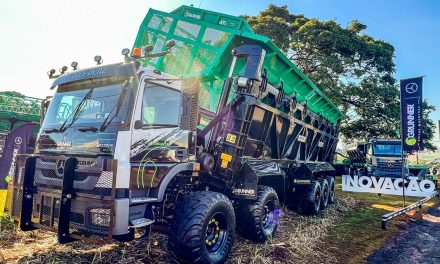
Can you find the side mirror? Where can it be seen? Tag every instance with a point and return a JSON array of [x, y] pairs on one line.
[[138, 124], [190, 104]]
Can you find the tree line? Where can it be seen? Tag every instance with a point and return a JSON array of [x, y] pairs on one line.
[[355, 70]]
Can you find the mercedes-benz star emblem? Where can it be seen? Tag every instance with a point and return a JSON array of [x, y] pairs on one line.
[[18, 140], [59, 169], [390, 164], [411, 88]]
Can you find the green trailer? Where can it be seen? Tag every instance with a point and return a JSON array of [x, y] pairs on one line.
[[204, 41]]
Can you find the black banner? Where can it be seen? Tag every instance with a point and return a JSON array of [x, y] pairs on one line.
[[412, 113], [17, 142]]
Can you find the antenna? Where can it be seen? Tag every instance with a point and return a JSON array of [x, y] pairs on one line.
[[200, 4]]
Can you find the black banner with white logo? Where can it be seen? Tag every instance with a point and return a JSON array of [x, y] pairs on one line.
[[17, 142], [412, 113]]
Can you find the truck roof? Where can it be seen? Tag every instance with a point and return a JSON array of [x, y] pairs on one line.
[[204, 41]]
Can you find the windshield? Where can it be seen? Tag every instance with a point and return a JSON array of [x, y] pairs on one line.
[[101, 96], [160, 106], [382, 149]]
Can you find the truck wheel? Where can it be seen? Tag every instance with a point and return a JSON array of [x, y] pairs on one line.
[[325, 191], [331, 187], [259, 219], [202, 229], [309, 200]]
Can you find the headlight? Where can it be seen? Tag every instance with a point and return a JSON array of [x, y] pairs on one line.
[[100, 217]]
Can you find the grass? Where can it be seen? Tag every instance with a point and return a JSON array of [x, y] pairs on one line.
[[347, 232], [359, 233]]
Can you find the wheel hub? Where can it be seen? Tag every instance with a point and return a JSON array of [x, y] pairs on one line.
[[268, 217], [215, 233]]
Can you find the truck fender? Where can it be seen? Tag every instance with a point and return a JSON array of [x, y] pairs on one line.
[[176, 169], [308, 172]]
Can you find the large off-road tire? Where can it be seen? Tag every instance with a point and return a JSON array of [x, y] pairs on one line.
[[332, 188], [325, 191], [309, 200], [202, 229], [258, 219]]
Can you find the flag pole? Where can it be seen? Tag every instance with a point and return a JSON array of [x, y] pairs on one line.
[[402, 151]]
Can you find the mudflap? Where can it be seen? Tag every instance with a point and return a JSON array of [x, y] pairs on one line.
[[245, 190], [245, 185], [304, 175]]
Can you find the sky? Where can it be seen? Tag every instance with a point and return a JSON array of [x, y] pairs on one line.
[[39, 35]]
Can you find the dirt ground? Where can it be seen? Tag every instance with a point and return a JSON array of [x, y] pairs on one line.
[[299, 240], [346, 232], [417, 242]]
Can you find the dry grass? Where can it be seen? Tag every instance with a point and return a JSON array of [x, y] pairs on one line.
[[299, 239]]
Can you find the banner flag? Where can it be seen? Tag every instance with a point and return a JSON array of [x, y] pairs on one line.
[[16, 143], [411, 102]]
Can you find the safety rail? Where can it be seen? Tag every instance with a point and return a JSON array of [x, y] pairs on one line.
[[10, 106], [389, 216]]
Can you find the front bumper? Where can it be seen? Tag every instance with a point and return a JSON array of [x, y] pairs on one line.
[[78, 203]]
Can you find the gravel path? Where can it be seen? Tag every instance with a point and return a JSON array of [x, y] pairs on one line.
[[419, 242]]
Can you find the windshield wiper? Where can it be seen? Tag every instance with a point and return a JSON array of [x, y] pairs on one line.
[[117, 106], [76, 112], [160, 125], [51, 130], [87, 128]]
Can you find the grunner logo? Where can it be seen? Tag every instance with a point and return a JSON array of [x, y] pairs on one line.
[[410, 141]]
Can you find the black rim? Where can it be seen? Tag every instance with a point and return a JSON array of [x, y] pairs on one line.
[[268, 216], [216, 233], [318, 198], [332, 190], [325, 193]]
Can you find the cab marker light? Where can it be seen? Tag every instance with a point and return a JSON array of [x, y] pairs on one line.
[[50, 73], [125, 53], [63, 69], [74, 65], [137, 52], [98, 60]]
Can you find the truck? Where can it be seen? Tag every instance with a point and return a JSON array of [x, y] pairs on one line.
[[205, 128], [383, 158]]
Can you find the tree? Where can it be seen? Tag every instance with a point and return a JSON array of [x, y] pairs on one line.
[[428, 126], [352, 68]]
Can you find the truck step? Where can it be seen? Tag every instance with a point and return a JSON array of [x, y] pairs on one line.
[[139, 200], [141, 222]]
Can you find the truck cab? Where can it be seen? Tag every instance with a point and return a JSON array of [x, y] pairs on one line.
[[384, 157], [378, 157]]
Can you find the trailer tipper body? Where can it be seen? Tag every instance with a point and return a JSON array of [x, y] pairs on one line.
[[208, 131]]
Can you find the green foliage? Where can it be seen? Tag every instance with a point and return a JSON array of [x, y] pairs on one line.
[[352, 68], [429, 126]]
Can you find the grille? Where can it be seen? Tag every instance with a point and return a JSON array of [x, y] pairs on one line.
[[89, 176], [92, 203], [392, 167]]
